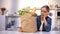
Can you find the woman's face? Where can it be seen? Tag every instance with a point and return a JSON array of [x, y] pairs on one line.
[[44, 12]]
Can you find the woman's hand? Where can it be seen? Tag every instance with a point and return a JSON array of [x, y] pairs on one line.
[[19, 29], [43, 18], [45, 21]]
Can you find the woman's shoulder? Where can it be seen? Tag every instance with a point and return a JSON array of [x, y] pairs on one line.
[[38, 17], [48, 18]]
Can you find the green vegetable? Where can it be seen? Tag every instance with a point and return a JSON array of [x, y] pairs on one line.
[[22, 11]]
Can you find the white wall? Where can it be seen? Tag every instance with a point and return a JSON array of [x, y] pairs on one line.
[[10, 5], [32, 3], [6, 4]]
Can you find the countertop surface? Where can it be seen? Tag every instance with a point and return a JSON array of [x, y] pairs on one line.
[[16, 32]]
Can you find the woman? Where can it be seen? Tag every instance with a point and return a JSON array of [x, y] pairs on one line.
[[43, 21]]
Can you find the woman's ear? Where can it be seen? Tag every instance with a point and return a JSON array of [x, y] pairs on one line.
[[48, 13]]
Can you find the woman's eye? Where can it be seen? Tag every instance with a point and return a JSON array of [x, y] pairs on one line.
[[45, 12]]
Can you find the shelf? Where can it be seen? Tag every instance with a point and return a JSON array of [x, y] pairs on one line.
[[13, 16], [50, 9]]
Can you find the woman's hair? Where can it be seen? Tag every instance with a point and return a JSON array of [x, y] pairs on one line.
[[47, 7]]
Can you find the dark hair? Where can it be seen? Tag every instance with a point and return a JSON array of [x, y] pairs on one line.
[[47, 7]]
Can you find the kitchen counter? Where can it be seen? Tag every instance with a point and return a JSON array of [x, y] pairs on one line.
[[16, 32]]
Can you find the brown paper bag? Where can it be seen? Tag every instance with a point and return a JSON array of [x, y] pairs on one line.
[[28, 23]]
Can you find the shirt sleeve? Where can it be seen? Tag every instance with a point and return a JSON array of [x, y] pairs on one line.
[[38, 23], [48, 26]]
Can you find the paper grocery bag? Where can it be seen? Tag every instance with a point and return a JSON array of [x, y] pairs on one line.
[[28, 23]]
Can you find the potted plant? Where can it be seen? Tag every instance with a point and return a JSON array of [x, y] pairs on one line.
[[2, 10]]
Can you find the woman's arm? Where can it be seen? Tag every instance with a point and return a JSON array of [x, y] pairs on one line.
[[38, 23], [48, 24]]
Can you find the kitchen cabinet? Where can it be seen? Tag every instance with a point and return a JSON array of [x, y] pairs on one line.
[[12, 22]]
